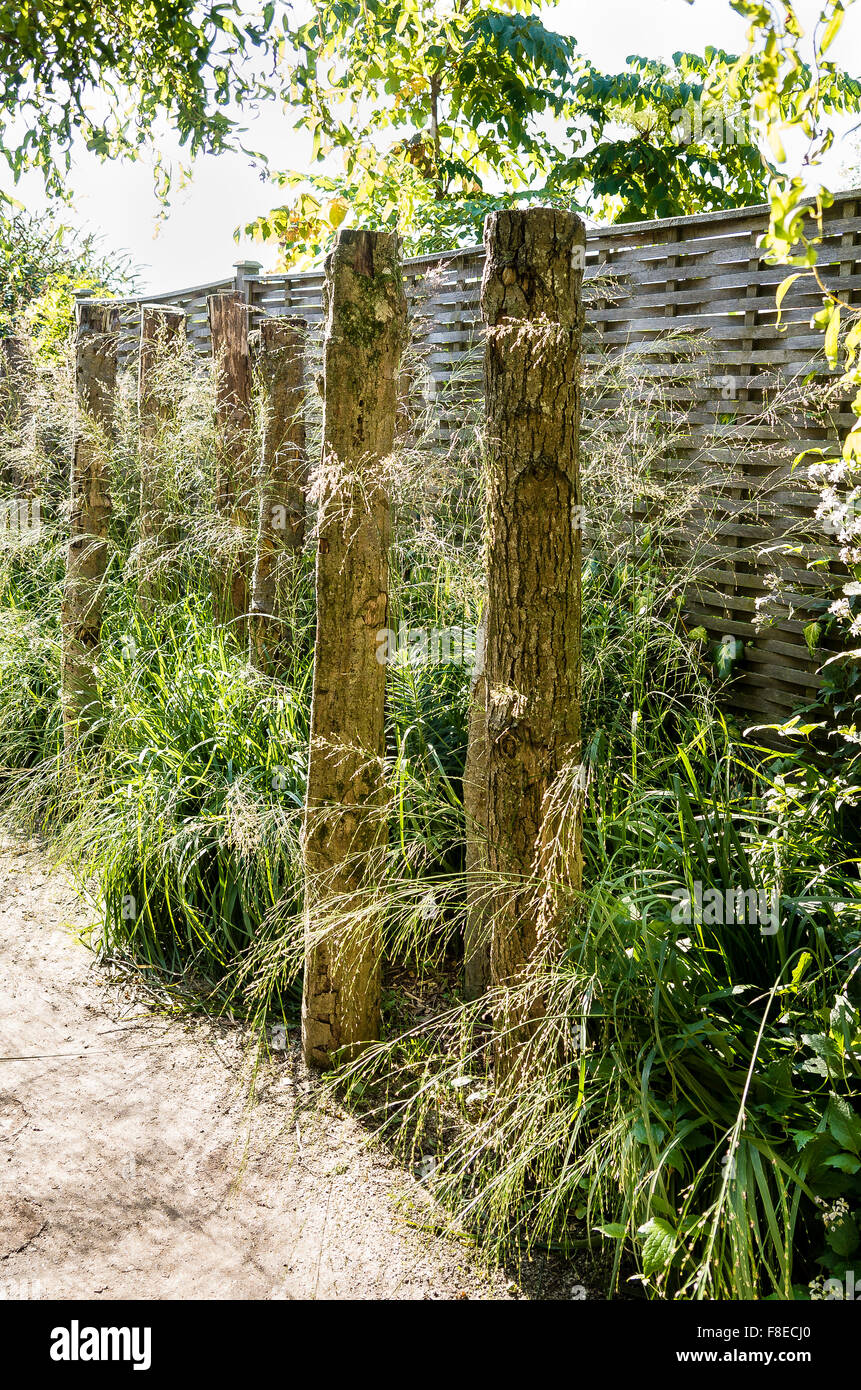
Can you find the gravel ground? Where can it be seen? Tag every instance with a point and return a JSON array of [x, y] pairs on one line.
[[133, 1165]]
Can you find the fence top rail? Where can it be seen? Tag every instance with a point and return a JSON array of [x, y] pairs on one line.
[[615, 229], [164, 297]]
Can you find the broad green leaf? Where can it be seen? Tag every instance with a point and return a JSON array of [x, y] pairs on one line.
[[812, 637], [844, 1124], [842, 1236], [613, 1230], [804, 961], [846, 1163], [659, 1245]]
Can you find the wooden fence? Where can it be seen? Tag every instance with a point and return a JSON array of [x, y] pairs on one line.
[[698, 276]]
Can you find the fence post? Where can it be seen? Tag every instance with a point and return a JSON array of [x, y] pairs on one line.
[[87, 557], [15, 369], [162, 334], [246, 272], [531, 302], [283, 487], [231, 580], [345, 814]]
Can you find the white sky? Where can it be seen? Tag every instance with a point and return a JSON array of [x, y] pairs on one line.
[[195, 243]]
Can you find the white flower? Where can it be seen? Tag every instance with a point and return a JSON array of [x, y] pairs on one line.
[[840, 608]]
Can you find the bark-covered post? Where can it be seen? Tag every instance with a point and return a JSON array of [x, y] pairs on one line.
[[531, 301], [16, 370], [345, 827], [283, 488], [95, 383], [162, 336], [231, 579]]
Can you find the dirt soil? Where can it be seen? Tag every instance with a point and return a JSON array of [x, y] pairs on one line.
[[132, 1164]]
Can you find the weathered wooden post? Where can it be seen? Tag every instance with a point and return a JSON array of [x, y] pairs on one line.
[[231, 580], [162, 335], [95, 382], [283, 488], [531, 301], [15, 372], [345, 828]]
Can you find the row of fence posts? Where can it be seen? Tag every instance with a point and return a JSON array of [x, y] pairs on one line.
[[524, 724]]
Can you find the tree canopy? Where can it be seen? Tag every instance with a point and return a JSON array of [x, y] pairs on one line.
[[663, 140], [437, 115], [107, 71], [430, 107]]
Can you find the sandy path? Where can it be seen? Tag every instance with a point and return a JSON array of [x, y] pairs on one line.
[[132, 1166]]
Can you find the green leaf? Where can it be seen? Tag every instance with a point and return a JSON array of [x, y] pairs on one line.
[[782, 289], [812, 636], [842, 1236], [831, 29], [803, 962], [613, 1230], [832, 335], [659, 1245], [774, 140], [843, 1124], [727, 652], [845, 1162], [843, 1021], [802, 1137]]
